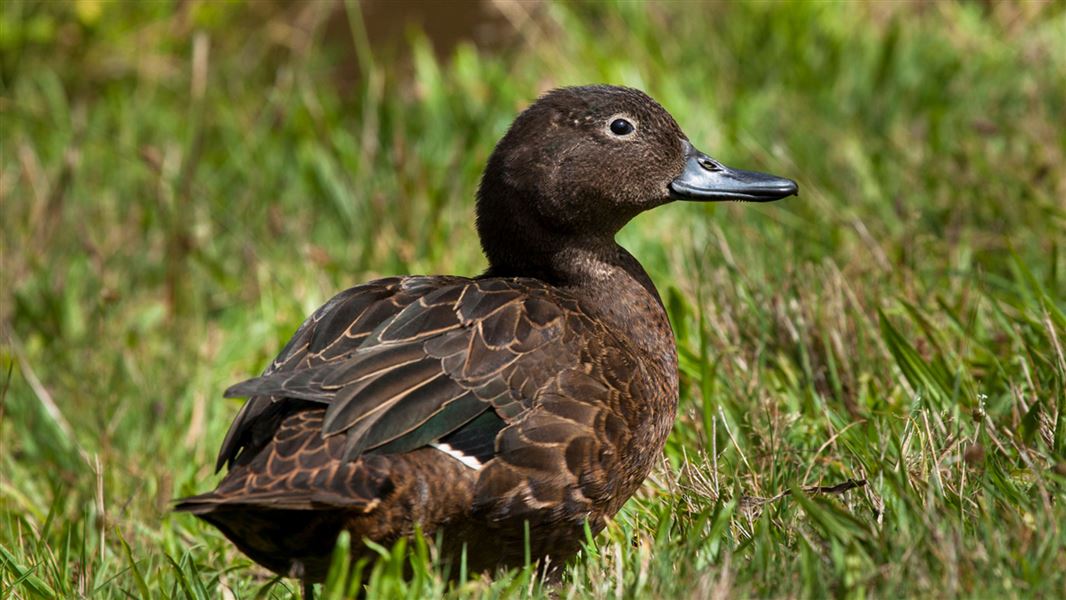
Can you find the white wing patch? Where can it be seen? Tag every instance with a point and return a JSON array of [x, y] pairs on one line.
[[470, 461]]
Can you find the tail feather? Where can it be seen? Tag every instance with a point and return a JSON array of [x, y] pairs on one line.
[[212, 501]]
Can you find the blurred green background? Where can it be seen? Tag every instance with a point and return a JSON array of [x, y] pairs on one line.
[[181, 182]]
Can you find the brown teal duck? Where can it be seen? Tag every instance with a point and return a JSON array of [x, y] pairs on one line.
[[538, 393]]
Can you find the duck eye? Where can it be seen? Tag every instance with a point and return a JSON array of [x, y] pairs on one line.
[[621, 127]]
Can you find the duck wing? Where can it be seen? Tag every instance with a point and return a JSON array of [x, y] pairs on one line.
[[404, 362], [338, 325]]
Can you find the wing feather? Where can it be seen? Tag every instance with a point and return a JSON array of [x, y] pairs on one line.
[[354, 402], [409, 361]]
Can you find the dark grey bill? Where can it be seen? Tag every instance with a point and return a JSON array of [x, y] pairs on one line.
[[707, 179]]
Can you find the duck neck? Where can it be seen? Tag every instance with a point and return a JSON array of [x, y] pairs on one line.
[[613, 285]]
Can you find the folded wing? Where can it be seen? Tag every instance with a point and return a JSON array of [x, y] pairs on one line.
[[400, 363]]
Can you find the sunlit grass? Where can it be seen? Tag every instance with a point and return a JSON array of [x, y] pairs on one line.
[[178, 192]]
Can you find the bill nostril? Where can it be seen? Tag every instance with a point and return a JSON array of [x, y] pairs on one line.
[[708, 164]]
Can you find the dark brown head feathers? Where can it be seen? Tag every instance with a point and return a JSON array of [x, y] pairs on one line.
[[561, 176]]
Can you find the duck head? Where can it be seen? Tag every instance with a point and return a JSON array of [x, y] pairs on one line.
[[581, 162]]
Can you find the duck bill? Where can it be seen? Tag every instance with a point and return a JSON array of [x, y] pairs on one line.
[[707, 180]]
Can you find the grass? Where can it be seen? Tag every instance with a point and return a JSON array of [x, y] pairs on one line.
[[180, 185]]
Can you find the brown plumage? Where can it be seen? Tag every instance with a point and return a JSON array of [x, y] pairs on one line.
[[539, 393]]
